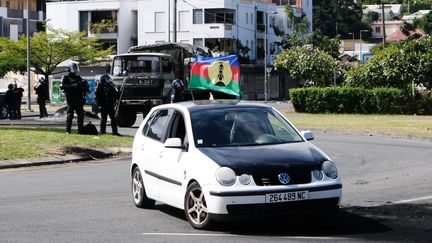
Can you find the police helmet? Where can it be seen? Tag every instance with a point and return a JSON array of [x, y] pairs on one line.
[[105, 78], [41, 79], [10, 86], [73, 67], [178, 85]]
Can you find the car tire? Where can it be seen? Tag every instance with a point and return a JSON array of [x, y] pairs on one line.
[[195, 207], [138, 191]]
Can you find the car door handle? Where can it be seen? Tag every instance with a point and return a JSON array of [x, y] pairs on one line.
[[161, 154], [142, 147]]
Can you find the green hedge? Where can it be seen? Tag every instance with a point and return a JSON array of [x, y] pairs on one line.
[[359, 100]]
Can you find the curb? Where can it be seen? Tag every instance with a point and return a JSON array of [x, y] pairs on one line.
[[103, 154]]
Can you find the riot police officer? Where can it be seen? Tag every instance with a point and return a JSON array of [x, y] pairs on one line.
[[42, 96], [75, 89], [177, 91], [106, 98], [18, 94], [10, 101]]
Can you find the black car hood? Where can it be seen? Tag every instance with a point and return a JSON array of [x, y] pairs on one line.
[[266, 158]]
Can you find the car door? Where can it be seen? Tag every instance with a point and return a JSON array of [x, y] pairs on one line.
[[154, 134], [172, 163]]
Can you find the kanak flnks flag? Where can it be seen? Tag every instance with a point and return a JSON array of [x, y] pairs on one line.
[[216, 73]]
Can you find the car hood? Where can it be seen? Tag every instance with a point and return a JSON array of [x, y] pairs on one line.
[[267, 158]]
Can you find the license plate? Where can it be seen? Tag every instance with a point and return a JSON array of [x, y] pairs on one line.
[[146, 82], [287, 196]]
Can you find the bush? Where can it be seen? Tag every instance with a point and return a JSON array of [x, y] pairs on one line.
[[359, 100]]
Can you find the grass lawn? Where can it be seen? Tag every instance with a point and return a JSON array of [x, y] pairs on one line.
[[27, 143], [403, 126]]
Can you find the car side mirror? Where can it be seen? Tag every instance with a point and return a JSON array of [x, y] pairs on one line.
[[308, 135], [174, 143]]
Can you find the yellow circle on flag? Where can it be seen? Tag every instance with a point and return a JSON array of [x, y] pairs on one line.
[[220, 73]]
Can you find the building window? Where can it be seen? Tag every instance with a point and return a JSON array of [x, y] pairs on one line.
[[184, 20], [160, 23], [251, 19], [378, 30], [221, 16], [247, 18], [197, 16], [198, 42]]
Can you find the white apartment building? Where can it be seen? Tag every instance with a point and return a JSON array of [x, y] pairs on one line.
[[216, 24], [13, 15]]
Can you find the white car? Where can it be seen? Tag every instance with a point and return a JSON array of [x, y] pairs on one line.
[[225, 159]]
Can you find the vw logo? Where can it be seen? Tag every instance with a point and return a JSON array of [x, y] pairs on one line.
[[284, 178]]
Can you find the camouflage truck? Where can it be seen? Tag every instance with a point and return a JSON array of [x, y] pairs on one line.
[[147, 73]]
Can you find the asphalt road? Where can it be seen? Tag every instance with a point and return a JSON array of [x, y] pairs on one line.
[[387, 196]]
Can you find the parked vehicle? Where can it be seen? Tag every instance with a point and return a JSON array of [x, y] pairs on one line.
[[147, 72], [3, 107], [225, 159]]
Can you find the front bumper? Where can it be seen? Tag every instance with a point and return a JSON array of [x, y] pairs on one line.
[[252, 201]]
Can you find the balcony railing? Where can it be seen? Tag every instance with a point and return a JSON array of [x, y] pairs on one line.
[[104, 27], [13, 13]]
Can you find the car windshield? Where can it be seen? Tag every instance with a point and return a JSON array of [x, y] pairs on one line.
[[137, 65], [225, 127]]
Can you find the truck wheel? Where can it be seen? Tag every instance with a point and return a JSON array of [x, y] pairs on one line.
[[126, 119]]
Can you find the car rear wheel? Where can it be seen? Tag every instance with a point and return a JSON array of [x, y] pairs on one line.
[[3, 112], [196, 207], [138, 191]]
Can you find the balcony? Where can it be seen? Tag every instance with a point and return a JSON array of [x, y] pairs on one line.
[[13, 13], [106, 29]]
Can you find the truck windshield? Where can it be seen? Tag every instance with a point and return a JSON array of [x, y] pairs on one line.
[[137, 65]]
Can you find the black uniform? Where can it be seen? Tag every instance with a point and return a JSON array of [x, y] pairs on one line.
[[10, 102], [43, 95], [106, 98], [75, 89], [17, 94], [177, 91]]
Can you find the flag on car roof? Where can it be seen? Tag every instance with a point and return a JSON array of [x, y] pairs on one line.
[[216, 73]]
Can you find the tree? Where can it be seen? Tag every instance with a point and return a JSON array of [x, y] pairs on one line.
[[9, 62], [310, 65], [317, 40], [49, 49], [396, 66], [338, 17]]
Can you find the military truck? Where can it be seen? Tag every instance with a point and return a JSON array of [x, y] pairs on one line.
[[147, 72]]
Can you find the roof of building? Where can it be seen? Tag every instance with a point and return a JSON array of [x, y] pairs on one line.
[[416, 15], [395, 8], [400, 36]]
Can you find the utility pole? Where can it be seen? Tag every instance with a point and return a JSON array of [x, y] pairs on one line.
[[175, 22], [383, 24], [169, 20], [28, 58]]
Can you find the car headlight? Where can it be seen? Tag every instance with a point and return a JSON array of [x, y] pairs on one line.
[[317, 174], [225, 176], [245, 179], [329, 169]]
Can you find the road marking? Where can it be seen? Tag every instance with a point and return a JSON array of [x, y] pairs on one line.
[[233, 235], [413, 200]]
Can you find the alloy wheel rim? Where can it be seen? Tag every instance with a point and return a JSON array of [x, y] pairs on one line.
[[137, 187], [196, 207]]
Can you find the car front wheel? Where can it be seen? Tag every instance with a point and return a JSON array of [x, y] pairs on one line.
[[196, 207], [138, 191]]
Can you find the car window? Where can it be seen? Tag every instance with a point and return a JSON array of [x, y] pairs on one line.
[[159, 125], [149, 121], [178, 128], [244, 126]]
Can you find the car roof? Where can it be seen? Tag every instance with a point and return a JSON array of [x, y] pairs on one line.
[[215, 104]]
